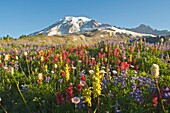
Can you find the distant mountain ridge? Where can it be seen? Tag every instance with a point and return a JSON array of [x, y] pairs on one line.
[[148, 30], [75, 25]]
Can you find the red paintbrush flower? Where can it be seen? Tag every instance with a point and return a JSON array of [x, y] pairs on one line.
[[118, 61], [124, 65], [63, 73], [155, 100], [99, 55], [59, 98], [79, 88], [69, 92], [136, 67], [134, 61], [83, 78], [46, 59], [131, 48]]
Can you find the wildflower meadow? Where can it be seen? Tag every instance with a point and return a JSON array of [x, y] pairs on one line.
[[105, 77]]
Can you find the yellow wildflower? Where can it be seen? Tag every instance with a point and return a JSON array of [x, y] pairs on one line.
[[67, 76], [96, 82], [46, 68], [87, 94], [42, 58], [130, 57]]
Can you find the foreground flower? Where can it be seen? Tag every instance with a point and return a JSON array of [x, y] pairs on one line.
[[155, 70], [82, 83], [67, 76], [69, 92], [87, 95], [40, 77], [79, 88], [75, 100], [6, 57], [91, 72], [96, 83], [25, 53], [83, 78], [114, 72], [12, 70], [59, 98], [155, 100]]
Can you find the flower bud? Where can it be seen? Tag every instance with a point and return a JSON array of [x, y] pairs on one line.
[[25, 53], [12, 70], [155, 70], [6, 57], [40, 77], [42, 58], [16, 57], [55, 66]]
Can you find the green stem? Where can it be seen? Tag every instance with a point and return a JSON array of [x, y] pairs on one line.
[[21, 93], [3, 108], [28, 67], [159, 92]]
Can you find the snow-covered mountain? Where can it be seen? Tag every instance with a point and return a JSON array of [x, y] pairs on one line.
[[70, 24]]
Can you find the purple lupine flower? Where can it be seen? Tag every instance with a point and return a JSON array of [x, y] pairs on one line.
[[47, 79]]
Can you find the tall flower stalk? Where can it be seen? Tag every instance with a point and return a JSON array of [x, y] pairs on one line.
[[155, 73], [67, 76], [17, 84]]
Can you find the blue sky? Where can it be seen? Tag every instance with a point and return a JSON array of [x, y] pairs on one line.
[[19, 17]]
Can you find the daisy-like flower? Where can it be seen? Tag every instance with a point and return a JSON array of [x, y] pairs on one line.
[[132, 66], [91, 72], [102, 71], [93, 58], [75, 100], [114, 72], [83, 83], [79, 61], [60, 80], [52, 72], [73, 67]]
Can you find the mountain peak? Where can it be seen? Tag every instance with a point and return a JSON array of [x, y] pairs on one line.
[[71, 25], [76, 18], [142, 28]]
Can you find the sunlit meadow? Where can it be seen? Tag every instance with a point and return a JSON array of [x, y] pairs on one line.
[[106, 77]]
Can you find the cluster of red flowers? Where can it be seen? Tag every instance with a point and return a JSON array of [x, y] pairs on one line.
[[79, 86], [165, 94], [83, 78], [155, 100], [59, 98], [122, 65], [131, 49], [69, 92]]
